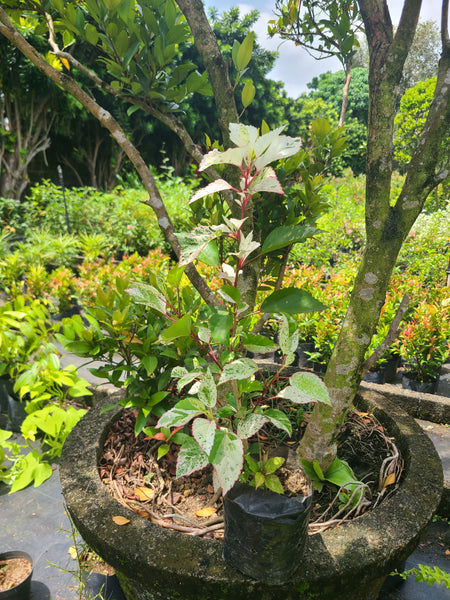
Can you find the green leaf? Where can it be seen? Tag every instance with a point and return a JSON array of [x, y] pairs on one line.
[[210, 254], [283, 236], [174, 276], [230, 294], [291, 301], [273, 483], [311, 473], [254, 466], [250, 425], [227, 457], [91, 34], [241, 368], [150, 363], [304, 388], [279, 419], [142, 293], [207, 391], [340, 473], [204, 432], [273, 464], [244, 54], [220, 323], [318, 471], [259, 479], [258, 343], [248, 93], [193, 243], [181, 328], [191, 458]]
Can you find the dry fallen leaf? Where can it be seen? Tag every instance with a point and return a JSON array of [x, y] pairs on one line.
[[72, 551], [206, 512], [118, 520], [390, 479], [144, 493]]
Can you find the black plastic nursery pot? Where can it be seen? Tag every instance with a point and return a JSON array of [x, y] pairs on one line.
[[265, 533], [22, 590], [424, 387], [349, 561], [12, 411]]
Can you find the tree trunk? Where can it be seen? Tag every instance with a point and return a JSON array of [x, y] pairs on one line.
[[386, 226]]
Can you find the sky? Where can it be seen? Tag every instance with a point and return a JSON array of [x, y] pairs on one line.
[[295, 67]]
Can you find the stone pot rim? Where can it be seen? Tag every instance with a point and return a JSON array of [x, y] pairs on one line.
[[367, 548]]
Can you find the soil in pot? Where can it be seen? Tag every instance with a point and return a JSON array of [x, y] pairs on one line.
[[15, 575], [131, 473]]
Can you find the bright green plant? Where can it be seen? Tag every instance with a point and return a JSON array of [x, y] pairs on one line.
[[43, 380], [22, 464], [24, 327], [428, 574], [263, 473]]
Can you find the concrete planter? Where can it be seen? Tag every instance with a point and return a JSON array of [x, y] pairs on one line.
[[350, 561]]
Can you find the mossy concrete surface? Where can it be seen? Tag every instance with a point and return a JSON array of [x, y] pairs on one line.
[[350, 561]]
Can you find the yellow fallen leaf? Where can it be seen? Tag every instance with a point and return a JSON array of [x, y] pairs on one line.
[[206, 512], [390, 479], [144, 493], [72, 551], [118, 520]]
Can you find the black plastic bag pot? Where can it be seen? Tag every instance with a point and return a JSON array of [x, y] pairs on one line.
[[6, 389], [425, 387], [22, 590], [265, 533], [375, 376], [302, 353], [390, 369], [16, 414]]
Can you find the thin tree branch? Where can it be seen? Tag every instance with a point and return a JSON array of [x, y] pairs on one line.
[[107, 120], [390, 337]]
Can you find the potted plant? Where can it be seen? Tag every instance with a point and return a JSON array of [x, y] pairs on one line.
[[424, 345], [222, 398], [24, 327], [16, 571], [223, 395]]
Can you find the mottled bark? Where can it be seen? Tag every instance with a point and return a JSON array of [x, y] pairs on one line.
[[208, 48], [386, 225], [107, 120]]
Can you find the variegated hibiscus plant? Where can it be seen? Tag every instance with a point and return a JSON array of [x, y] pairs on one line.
[[224, 396]]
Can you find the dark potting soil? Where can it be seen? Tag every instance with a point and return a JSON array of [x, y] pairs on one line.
[[132, 474]]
